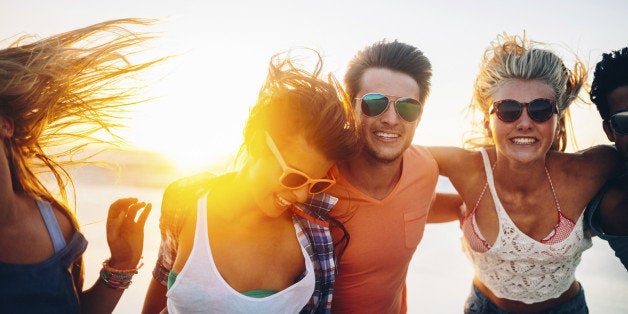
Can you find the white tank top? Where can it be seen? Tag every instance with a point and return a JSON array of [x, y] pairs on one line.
[[200, 288], [520, 268]]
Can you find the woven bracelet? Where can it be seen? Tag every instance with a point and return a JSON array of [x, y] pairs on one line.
[[116, 281], [105, 265], [117, 278]]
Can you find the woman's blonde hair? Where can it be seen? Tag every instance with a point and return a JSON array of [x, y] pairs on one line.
[[515, 57], [59, 91]]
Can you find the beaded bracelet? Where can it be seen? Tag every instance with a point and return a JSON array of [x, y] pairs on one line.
[[116, 281], [105, 265], [117, 278]]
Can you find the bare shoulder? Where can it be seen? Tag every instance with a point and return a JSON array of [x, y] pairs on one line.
[[180, 198], [182, 191], [187, 187]]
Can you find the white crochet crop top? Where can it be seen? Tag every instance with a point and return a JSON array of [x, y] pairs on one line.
[[517, 267]]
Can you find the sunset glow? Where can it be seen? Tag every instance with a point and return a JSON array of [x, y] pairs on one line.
[[201, 97]]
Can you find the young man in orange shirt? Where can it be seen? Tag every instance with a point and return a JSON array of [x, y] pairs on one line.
[[385, 193]]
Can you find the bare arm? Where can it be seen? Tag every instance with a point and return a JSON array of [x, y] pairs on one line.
[[155, 300], [171, 206], [456, 164], [613, 212], [445, 208], [125, 237], [450, 159], [606, 159]]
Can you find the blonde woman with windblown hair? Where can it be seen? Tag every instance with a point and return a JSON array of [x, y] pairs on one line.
[[523, 228], [55, 93]]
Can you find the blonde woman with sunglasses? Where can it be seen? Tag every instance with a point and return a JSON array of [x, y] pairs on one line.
[[55, 93], [523, 225], [257, 240]]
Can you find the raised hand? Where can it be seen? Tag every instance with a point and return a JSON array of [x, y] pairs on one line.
[[125, 235]]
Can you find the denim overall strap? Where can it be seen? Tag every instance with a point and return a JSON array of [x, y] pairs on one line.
[[58, 242]]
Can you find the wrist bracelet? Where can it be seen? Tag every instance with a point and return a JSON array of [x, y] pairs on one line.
[[116, 281], [105, 265], [117, 278]]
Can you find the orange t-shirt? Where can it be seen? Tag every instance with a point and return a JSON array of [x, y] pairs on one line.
[[384, 235]]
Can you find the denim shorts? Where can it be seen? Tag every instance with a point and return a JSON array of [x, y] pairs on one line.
[[477, 302]]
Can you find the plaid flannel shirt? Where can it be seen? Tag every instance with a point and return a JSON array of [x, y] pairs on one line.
[[310, 222], [313, 233]]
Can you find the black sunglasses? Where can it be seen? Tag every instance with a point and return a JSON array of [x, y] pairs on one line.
[[539, 110], [375, 104], [619, 122]]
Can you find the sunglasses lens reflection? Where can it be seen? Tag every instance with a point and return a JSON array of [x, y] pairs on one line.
[[619, 121], [374, 104], [540, 110], [408, 108], [509, 110]]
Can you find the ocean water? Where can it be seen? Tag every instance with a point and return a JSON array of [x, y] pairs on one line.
[[439, 276]]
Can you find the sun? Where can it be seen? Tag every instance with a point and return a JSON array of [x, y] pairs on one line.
[[189, 124], [186, 136], [197, 104]]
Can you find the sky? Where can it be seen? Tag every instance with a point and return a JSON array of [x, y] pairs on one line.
[[223, 48]]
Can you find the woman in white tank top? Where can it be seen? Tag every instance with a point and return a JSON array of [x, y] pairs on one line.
[[257, 240], [523, 229]]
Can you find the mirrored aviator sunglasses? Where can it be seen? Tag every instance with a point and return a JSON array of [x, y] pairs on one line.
[[539, 110], [619, 122], [375, 104]]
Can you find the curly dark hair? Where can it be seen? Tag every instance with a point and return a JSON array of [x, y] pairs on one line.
[[610, 73]]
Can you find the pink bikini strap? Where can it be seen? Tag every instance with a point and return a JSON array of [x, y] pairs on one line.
[[477, 203], [549, 178]]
